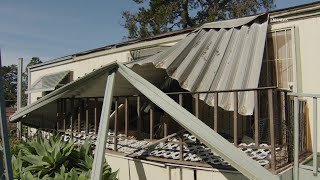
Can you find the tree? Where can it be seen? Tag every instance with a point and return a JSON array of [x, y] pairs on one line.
[[10, 77], [10, 84], [162, 16]]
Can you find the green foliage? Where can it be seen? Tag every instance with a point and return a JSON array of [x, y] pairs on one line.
[[52, 158], [10, 77], [9, 74], [159, 16]]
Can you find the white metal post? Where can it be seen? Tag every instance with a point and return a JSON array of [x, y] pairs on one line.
[[4, 133], [99, 154], [296, 138], [19, 95], [315, 134]]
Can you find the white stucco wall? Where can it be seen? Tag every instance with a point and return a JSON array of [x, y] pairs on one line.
[[130, 169], [307, 41]]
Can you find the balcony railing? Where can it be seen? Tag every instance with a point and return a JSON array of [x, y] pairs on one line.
[[135, 117]]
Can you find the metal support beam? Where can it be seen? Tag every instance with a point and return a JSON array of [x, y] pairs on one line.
[[19, 95], [99, 154], [315, 134], [271, 126], [239, 160], [296, 139], [6, 160]]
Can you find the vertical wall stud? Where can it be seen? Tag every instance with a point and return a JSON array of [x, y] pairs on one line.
[[215, 123], [256, 118], [235, 118]]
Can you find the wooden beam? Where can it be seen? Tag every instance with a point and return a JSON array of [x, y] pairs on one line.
[[215, 115], [235, 118], [87, 115], [116, 103], [197, 105], [151, 120], [96, 115], [79, 115], [139, 123], [126, 116]]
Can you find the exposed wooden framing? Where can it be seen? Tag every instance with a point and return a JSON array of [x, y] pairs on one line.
[[256, 118], [96, 115], [87, 115], [116, 103], [235, 118], [64, 109], [79, 114], [210, 138], [151, 120], [72, 115], [165, 127], [181, 148], [197, 105], [139, 123], [58, 113], [126, 116], [215, 113], [272, 138]]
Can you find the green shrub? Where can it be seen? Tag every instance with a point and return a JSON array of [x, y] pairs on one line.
[[52, 158]]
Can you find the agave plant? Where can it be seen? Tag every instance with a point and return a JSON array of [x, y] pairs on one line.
[[52, 158]]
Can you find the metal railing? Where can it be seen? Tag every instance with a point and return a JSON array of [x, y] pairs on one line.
[[274, 111], [315, 98]]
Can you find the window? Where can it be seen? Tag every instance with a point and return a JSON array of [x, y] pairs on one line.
[[277, 68]]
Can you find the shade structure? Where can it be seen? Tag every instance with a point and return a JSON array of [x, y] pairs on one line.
[[218, 56], [48, 82]]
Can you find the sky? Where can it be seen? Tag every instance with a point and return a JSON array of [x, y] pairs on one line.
[[53, 29]]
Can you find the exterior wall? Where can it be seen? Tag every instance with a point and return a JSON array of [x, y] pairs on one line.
[[307, 39], [83, 65], [130, 169], [79, 68]]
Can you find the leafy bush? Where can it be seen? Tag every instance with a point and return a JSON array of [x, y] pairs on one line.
[[53, 158]]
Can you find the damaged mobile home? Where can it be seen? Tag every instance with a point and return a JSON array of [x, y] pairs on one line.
[[232, 99]]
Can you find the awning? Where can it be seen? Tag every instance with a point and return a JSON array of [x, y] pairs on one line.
[[42, 113], [48, 82], [224, 55]]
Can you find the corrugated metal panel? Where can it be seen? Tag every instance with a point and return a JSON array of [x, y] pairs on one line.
[[48, 82], [212, 59], [72, 89]]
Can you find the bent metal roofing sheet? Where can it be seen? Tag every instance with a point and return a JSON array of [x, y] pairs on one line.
[[48, 82], [218, 56]]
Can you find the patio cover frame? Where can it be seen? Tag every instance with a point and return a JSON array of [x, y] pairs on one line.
[[205, 134]]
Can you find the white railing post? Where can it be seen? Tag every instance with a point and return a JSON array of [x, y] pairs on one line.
[[296, 138], [315, 134]]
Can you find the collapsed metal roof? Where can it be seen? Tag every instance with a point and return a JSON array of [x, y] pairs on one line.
[[223, 55], [48, 82]]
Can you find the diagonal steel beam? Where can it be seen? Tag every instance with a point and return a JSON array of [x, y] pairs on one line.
[[213, 140], [4, 133], [99, 155]]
